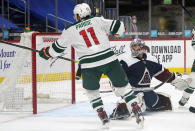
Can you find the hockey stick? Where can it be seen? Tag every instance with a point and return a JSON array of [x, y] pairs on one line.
[[145, 88], [55, 59], [31, 49], [155, 87]]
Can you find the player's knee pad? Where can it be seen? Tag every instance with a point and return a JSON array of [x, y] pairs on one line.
[[122, 90], [92, 94], [95, 99]]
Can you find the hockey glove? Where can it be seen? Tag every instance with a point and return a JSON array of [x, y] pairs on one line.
[[180, 83], [193, 39], [44, 53]]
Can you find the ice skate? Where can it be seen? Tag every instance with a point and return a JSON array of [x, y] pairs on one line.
[[138, 114], [183, 101], [103, 117]]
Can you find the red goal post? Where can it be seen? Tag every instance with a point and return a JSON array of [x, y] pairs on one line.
[[34, 66]]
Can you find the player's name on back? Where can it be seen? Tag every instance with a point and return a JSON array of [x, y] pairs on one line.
[[82, 24]]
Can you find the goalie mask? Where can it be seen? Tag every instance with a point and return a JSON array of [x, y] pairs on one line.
[[138, 47], [82, 10]]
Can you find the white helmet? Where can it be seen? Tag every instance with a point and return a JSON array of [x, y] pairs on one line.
[[82, 10], [142, 47]]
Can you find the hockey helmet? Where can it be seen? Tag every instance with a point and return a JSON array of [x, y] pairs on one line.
[[82, 10], [138, 47]]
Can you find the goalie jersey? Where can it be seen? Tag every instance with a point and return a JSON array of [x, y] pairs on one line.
[[140, 72], [89, 37]]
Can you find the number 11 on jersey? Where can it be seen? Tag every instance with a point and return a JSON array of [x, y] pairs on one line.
[[86, 38]]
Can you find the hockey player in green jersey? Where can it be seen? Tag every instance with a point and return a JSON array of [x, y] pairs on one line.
[[89, 38], [187, 92]]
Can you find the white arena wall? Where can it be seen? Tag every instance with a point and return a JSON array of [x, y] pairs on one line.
[[175, 54]]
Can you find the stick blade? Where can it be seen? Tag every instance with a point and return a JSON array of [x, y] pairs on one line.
[[192, 109]]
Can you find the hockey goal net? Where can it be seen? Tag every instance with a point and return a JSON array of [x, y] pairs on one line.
[[34, 84]]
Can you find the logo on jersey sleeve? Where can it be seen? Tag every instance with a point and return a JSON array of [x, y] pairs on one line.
[[146, 79]]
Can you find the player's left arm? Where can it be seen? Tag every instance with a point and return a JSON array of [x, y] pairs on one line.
[[162, 74], [174, 79], [56, 48]]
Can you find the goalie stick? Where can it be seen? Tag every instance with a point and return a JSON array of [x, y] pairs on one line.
[[145, 88], [31, 49]]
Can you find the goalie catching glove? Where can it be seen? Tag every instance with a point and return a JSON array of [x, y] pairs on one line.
[[180, 83], [44, 53]]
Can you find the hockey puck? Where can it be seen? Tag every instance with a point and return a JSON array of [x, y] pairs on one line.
[[192, 109]]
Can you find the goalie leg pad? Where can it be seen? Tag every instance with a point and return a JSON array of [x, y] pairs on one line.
[[122, 112], [164, 103]]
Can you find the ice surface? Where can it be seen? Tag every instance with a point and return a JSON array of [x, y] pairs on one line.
[[81, 117]]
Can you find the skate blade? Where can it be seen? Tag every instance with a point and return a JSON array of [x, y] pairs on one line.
[[182, 107], [125, 117], [105, 126], [192, 109], [140, 122], [141, 125]]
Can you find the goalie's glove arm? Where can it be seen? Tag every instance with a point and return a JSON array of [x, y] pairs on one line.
[[164, 75], [180, 83]]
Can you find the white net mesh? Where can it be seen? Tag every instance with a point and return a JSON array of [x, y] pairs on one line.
[[53, 78]]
